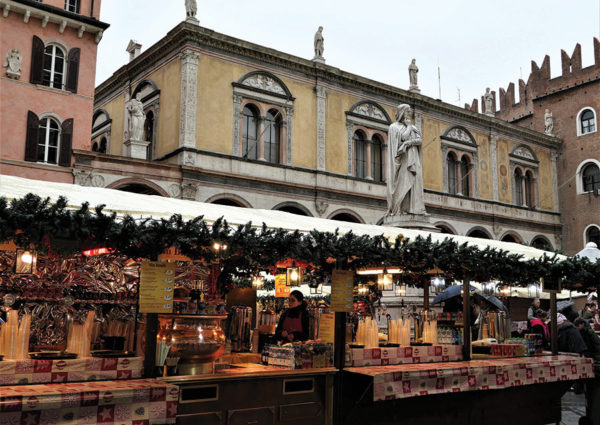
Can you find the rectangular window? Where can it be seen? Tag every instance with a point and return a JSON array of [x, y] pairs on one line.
[[360, 153], [376, 162], [72, 6]]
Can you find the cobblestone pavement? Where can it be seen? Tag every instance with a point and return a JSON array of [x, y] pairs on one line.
[[573, 407]]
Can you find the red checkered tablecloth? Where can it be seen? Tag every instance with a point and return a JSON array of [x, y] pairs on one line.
[[16, 372], [401, 381], [134, 402], [405, 355]]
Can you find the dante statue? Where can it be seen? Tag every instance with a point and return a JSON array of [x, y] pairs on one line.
[[412, 73], [548, 122], [405, 173], [487, 100], [136, 118], [319, 47], [190, 8]]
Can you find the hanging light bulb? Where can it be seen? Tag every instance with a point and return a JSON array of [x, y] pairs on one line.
[[400, 290], [294, 276], [26, 261], [534, 290], [385, 282], [258, 282], [437, 283], [363, 289], [503, 290], [488, 288]]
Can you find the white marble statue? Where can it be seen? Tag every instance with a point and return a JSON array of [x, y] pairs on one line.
[[13, 62], [405, 173], [548, 122], [319, 46], [190, 8], [136, 118], [487, 100], [412, 73]]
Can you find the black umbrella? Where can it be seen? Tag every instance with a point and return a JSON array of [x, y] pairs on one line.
[[450, 292], [561, 305], [495, 302]]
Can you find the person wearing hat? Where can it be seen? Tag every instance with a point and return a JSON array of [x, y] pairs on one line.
[[569, 338], [293, 324]]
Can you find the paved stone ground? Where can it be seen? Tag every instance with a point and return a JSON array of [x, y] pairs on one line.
[[573, 407]]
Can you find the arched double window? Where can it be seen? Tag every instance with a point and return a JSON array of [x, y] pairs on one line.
[[360, 155], [272, 136], [459, 174], [590, 176], [250, 120], [524, 188], [586, 121], [459, 150]]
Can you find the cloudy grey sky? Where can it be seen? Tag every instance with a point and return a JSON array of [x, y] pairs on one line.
[[476, 43]]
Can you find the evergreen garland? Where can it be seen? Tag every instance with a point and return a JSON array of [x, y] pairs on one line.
[[52, 227]]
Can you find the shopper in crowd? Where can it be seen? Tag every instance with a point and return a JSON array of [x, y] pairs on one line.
[[592, 341], [539, 326], [293, 324], [587, 313], [533, 308], [569, 338]]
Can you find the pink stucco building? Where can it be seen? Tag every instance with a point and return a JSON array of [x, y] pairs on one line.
[[48, 50]]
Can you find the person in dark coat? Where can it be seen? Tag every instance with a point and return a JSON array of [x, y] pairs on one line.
[[592, 341], [539, 326], [569, 338], [293, 324]]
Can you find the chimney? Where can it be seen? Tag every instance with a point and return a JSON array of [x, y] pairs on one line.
[[134, 49]]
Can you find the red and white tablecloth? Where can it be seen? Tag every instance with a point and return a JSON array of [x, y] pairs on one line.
[[405, 355], [134, 402], [401, 381], [16, 372]]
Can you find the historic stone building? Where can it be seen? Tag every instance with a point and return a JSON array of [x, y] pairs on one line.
[[227, 121], [565, 106], [48, 52]]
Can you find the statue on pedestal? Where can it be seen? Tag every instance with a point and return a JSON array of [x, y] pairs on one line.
[[548, 122], [412, 75], [487, 100], [190, 8], [319, 45], [135, 107], [405, 173]]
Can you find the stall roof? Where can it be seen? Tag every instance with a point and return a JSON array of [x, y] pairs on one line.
[[157, 207]]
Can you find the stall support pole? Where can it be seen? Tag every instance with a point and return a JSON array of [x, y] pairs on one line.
[[426, 295], [554, 323], [467, 319], [339, 361]]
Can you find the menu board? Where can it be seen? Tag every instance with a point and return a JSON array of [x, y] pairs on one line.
[[156, 287], [342, 287], [327, 327], [281, 288]]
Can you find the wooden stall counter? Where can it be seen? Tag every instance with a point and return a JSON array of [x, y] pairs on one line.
[[127, 402], [254, 393]]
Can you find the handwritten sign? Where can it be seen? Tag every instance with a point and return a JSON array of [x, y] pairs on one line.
[[327, 327], [157, 280], [342, 286], [281, 288]]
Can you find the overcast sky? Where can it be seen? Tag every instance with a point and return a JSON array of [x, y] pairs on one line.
[[476, 43]]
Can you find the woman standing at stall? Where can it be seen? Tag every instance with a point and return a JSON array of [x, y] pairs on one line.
[[293, 323]]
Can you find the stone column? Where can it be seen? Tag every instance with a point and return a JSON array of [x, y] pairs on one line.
[[321, 127], [189, 98], [349, 127], [445, 168], [260, 155], [494, 164], [554, 158], [289, 112], [237, 112]]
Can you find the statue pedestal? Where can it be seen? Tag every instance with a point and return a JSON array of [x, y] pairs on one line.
[[11, 74], [136, 149], [319, 59], [192, 20], [411, 221], [414, 89]]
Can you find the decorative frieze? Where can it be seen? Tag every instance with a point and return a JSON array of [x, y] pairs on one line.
[[189, 96], [321, 129], [494, 165]]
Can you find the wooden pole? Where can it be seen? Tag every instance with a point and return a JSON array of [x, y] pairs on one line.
[[426, 294], [466, 319], [554, 323]]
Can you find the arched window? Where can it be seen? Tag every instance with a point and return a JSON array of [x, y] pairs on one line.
[[541, 242], [48, 141], [272, 136], [518, 182], [587, 121], [476, 233], [452, 173], [250, 132], [529, 189], [593, 235], [103, 145], [345, 217], [149, 133], [95, 147], [54, 67], [465, 175], [376, 164], [510, 238], [360, 155], [591, 177]]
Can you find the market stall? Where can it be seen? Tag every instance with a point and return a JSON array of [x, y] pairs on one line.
[[174, 274]]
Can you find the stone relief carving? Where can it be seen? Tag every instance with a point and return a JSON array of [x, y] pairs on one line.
[[188, 191], [189, 95], [98, 180], [371, 111], [461, 135], [321, 111], [13, 63], [81, 177], [264, 82], [189, 159], [321, 207], [524, 153], [174, 190]]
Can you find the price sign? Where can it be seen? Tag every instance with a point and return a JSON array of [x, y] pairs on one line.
[[157, 280], [327, 327], [281, 288], [342, 286]]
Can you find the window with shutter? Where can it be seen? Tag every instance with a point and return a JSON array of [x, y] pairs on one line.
[[31, 142], [73, 69], [49, 139], [64, 159], [37, 61]]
